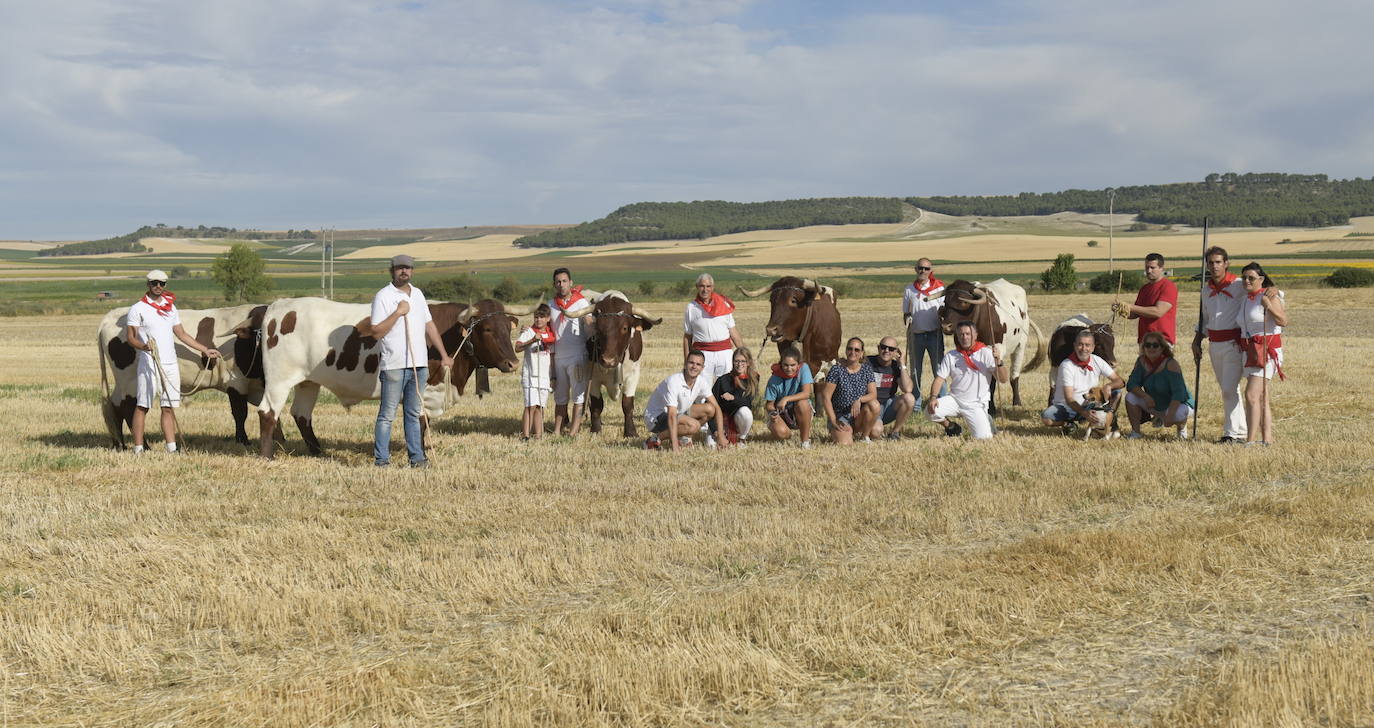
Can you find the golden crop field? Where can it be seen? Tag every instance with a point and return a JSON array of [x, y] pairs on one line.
[[1033, 579]]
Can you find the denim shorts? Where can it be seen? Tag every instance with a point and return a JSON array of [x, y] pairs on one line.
[[1061, 413]]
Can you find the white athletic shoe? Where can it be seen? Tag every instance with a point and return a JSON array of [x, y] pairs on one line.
[[806, 444], [1183, 433], [710, 442], [684, 441]]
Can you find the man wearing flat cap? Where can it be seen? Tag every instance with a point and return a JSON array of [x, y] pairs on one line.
[[154, 327], [401, 322]]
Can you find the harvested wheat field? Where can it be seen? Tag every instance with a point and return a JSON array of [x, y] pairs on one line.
[[1030, 580], [484, 247]]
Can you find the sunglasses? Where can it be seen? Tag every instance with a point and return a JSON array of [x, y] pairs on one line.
[[1150, 345], [885, 347], [158, 283], [923, 267]]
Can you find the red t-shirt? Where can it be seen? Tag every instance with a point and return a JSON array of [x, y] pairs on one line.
[[1150, 294]]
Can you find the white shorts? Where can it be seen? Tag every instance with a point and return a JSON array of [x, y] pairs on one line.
[[570, 381], [149, 386], [1269, 366], [1139, 401], [536, 396], [975, 415]]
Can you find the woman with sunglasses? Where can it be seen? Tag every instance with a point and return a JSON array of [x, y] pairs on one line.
[[1156, 389], [735, 391], [850, 396], [1261, 320]]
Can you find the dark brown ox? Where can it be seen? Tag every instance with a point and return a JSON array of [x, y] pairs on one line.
[[478, 337], [802, 312], [614, 349], [999, 311], [1061, 343]]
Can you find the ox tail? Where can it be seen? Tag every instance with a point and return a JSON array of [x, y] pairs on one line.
[[107, 409], [1041, 346]]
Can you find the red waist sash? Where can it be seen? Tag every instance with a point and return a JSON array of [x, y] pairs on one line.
[[722, 345], [1258, 352], [1223, 334]]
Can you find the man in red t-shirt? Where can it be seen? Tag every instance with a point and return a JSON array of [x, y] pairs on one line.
[[1156, 305]]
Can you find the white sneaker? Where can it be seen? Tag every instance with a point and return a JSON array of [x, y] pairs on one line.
[[684, 441], [868, 441], [710, 443], [806, 444], [1183, 433]]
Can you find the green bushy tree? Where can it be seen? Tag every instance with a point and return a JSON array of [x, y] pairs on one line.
[[1130, 280], [241, 272], [1350, 278], [1061, 276]]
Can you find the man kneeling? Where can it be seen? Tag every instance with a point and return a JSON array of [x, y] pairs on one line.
[[969, 368], [1077, 375], [681, 405]]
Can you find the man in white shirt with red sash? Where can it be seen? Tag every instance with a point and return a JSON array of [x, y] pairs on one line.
[[969, 368], [1221, 301], [924, 337], [153, 323], [709, 327], [570, 369]]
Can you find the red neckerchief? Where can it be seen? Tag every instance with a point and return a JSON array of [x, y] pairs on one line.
[[931, 285], [164, 308], [1086, 366], [777, 372], [718, 305], [564, 303], [1152, 365], [1251, 296], [546, 335], [968, 354], [1227, 280], [739, 381]]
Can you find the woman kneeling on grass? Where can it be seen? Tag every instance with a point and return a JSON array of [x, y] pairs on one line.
[[735, 392], [1262, 317], [1156, 389], [788, 398], [850, 395]]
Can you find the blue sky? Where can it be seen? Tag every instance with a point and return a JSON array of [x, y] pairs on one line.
[[397, 114]]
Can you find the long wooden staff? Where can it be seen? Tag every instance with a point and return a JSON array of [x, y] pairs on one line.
[[1202, 289]]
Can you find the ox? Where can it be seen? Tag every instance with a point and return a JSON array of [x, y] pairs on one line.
[[330, 344], [238, 373], [1061, 343], [999, 311], [803, 312], [613, 350]]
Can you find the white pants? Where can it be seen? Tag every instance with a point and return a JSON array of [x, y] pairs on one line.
[[1228, 363], [149, 385], [744, 420], [975, 414], [1175, 411], [570, 378], [717, 363]]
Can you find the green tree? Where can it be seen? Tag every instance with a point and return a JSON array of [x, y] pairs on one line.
[[509, 290], [646, 287], [1061, 276], [241, 272], [1129, 280], [463, 288]]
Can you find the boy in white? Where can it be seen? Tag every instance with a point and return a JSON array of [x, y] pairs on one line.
[[401, 320], [153, 323], [536, 341], [969, 368], [1077, 375], [1221, 300], [708, 326], [570, 356], [681, 405]]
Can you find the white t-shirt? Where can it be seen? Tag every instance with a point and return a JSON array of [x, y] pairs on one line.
[[153, 326], [966, 384], [674, 391], [1219, 312], [536, 356], [393, 346], [1253, 320], [925, 315], [704, 327], [571, 333], [1072, 375]]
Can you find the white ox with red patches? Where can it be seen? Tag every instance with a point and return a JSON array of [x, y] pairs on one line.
[[239, 374], [309, 343]]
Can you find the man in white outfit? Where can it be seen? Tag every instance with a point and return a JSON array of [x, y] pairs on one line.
[[153, 323], [708, 326], [570, 369], [1221, 300], [969, 369]]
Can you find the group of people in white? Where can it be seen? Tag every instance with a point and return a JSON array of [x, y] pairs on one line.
[[862, 397]]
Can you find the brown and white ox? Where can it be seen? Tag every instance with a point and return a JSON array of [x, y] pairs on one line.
[[614, 350], [238, 373], [309, 343], [1000, 312], [1061, 343], [806, 313]]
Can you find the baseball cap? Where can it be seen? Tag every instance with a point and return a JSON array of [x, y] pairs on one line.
[[156, 275], [403, 260]]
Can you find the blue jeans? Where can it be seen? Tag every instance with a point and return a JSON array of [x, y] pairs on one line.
[[396, 384], [920, 346]]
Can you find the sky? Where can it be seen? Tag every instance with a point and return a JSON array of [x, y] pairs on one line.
[[276, 114]]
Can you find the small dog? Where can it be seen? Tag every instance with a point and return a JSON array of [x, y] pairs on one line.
[[1101, 408]]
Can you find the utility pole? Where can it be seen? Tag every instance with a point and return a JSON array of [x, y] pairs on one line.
[[327, 263], [1111, 229]]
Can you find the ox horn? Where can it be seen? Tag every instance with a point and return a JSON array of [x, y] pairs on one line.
[[591, 295], [809, 285], [941, 294], [520, 312], [580, 312], [979, 296], [465, 315], [757, 291], [636, 310]]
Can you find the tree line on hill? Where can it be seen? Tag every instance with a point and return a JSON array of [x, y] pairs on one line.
[[708, 218], [129, 243], [1229, 200]]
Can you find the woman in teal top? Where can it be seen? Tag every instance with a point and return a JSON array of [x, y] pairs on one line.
[[1156, 390]]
